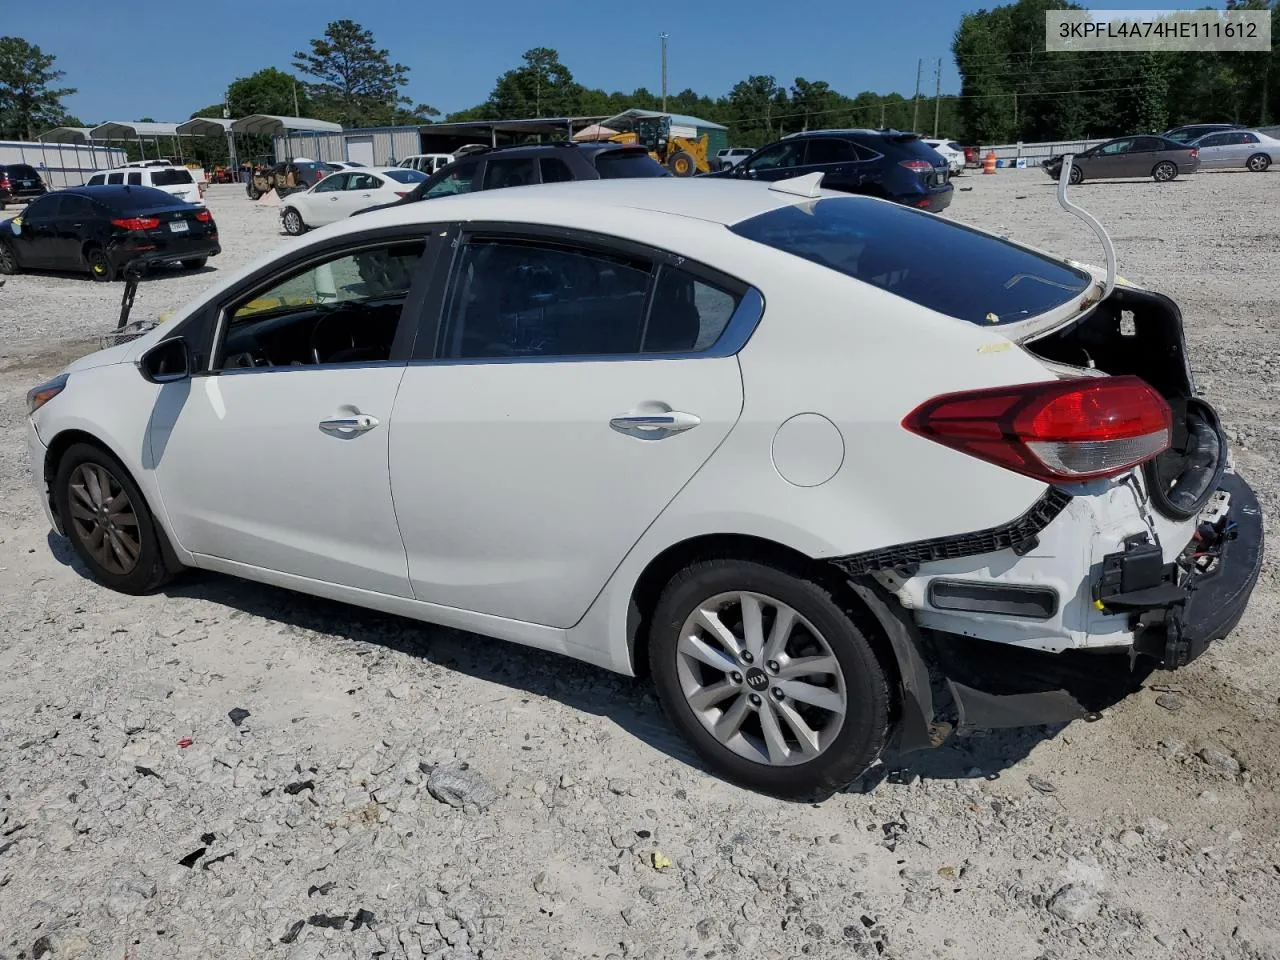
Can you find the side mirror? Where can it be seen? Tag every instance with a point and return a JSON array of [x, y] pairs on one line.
[[168, 361]]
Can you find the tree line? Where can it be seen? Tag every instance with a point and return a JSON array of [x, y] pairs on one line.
[[1013, 90]]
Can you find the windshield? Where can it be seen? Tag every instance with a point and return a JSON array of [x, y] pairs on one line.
[[920, 257]]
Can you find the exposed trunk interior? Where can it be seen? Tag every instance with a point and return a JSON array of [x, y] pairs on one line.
[[1138, 332]]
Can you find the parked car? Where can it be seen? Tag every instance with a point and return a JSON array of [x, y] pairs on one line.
[[730, 156], [427, 163], [828, 440], [176, 181], [880, 163], [1247, 149], [20, 183], [950, 151], [341, 194], [1147, 156], [492, 168], [1194, 131], [103, 229]]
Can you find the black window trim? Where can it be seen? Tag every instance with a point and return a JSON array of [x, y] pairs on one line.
[[210, 323], [429, 347]]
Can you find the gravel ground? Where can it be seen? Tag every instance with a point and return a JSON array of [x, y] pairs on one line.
[[230, 770]]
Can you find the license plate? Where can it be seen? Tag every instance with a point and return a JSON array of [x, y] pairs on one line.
[[27, 183], [178, 226]]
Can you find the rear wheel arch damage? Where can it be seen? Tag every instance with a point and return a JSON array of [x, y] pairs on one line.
[[878, 616]]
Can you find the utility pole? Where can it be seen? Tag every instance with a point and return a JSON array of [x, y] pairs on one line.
[[663, 38], [1015, 113], [937, 96], [915, 112], [295, 99], [881, 114]]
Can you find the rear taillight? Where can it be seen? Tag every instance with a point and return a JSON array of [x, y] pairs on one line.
[[919, 166], [137, 223], [204, 216], [1195, 152], [1059, 431]]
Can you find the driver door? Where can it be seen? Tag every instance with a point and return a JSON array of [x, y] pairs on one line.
[[1111, 160], [778, 162], [274, 456]]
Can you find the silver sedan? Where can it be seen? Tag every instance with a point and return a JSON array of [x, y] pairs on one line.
[[1237, 148]]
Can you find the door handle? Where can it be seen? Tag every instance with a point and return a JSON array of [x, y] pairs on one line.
[[360, 423], [654, 426]]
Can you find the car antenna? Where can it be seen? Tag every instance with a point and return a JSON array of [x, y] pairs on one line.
[[1108, 248]]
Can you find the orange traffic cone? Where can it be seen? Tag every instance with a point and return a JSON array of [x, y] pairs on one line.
[[989, 162]]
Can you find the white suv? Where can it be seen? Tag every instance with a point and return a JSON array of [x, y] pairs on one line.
[[175, 180], [745, 438], [731, 156], [427, 163]]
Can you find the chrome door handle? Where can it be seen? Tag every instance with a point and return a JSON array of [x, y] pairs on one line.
[[654, 426], [360, 423]]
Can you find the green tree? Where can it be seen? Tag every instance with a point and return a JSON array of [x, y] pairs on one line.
[[29, 103], [753, 106], [268, 91], [543, 87], [355, 81]]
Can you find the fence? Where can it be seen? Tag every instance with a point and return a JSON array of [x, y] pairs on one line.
[[61, 164], [1035, 152]]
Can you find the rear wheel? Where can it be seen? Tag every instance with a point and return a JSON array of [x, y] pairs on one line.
[[293, 224], [682, 164], [768, 677], [1258, 163], [100, 268], [1076, 176], [253, 192], [8, 259], [1164, 171], [105, 517]]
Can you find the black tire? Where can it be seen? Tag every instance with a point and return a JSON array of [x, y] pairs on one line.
[[8, 259], [1076, 176], [682, 164], [864, 729], [1164, 171], [253, 192], [1258, 163], [149, 571], [195, 263], [98, 264], [293, 223]]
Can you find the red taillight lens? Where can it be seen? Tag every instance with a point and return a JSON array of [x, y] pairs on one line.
[[1066, 430], [137, 223], [919, 166], [204, 216], [1195, 152]]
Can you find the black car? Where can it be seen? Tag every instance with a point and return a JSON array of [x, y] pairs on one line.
[[19, 182], [1193, 131], [879, 163], [518, 166], [101, 230]]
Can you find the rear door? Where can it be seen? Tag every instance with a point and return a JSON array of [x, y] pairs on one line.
[[576, 384], [1146, 153], [1241, 145], [76, 220], [361, 190], [836, 159]]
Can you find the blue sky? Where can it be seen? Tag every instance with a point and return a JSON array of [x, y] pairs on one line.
[[167, 59]]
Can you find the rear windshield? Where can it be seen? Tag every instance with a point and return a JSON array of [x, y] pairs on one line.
[[22, 171], [170, 178], [620, 164], [145, 198], [406, 176], [920, 257]]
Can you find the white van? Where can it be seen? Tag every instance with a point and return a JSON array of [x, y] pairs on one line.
[[427, 163], [178, 181]]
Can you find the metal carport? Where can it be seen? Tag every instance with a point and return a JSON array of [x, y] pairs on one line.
[[211, 127], [123, 130], [273, 126]]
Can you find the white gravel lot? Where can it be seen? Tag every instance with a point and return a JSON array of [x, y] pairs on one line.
[[335, 820]]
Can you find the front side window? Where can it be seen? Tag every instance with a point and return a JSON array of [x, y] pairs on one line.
[[332, 183], [97, 180], [454, 182], [76, 208], [41, 209], [788, 154], [343, 310], [1116, 148], [511, 172]]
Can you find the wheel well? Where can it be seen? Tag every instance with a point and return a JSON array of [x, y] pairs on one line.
[[649, 586]]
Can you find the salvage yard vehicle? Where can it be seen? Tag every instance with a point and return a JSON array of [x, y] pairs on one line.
[[288, 177], [175, 180], [1193, 131], [742, 437], [1159, 158], [1243, 149], [20, 183], [341, 194], [102, 230]]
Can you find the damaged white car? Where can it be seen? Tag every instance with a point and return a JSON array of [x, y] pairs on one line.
[[788, 451]]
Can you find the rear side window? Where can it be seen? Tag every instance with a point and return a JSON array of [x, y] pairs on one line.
[[115, 178], [687, 315], [554, 170], [511, 172], [169, 178], [622, 164], [829, 150], [925, 259], [135, 179]]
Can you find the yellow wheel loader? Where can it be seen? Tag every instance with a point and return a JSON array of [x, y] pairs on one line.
[[682, 156]]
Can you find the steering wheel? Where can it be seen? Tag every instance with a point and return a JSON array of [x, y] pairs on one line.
[[327, 317]]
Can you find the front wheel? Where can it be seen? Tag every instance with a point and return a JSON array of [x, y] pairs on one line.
[[8, 259], [1258, 163], [293, 224], [1164, 171], [104, 515], [682, 164], [768, 677], [253, 192], [1076, 176]]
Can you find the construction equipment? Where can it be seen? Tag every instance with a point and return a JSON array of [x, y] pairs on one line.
[[681, 155]]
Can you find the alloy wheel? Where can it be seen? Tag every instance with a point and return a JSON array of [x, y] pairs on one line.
[[103, 518], [1258, 163], [1165, 171], [761, 678]]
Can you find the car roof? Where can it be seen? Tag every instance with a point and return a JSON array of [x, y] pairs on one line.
[[861, 131], [116, 193]]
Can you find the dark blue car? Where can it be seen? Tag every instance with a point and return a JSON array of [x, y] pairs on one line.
[[879, 163]]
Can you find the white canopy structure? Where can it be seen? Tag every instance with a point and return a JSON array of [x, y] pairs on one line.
[[66, 135], [275, 126], [205, 127], [127, 130]]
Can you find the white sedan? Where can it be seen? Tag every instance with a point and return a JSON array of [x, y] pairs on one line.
[[1239, 149], [741, 437], [341, 194]]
